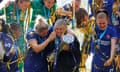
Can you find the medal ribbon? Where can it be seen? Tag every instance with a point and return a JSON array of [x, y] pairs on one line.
[[101, 36], [57, 42], [47, 15]]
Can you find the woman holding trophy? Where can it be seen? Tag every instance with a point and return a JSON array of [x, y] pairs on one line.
[[67, 57]]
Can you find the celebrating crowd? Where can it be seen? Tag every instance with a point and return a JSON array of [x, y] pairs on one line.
[[39, 36]]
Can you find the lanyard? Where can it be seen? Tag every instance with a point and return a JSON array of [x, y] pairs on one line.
[[16, 48], [18, 14], [47, 14], [101, 36], [57, 42]]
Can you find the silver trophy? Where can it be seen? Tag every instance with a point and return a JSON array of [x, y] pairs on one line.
[[68, 38]]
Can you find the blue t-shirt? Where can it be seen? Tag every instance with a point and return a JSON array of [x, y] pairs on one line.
[[37, 62], [103, 53], [8, 44]]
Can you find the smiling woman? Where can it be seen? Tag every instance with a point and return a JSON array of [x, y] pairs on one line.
[[67, 57]]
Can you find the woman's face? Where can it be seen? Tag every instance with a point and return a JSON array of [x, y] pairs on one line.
[[24, 5], [49, 3], [43, 33], [85, 21], [60, 30], [18, 32], [102, 23]]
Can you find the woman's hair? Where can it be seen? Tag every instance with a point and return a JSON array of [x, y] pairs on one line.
[[80, 15], [4, 26], [14, 26], [101, 15], [42, 1], [102, 11], [40, 24], [16, 1], [60, 22]]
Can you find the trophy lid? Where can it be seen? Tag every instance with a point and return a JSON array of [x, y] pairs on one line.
[[68, 38]]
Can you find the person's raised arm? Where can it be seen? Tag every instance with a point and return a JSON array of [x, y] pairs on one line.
[[39, 47]]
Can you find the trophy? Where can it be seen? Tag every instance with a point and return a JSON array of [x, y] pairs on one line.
[[66, 40]]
